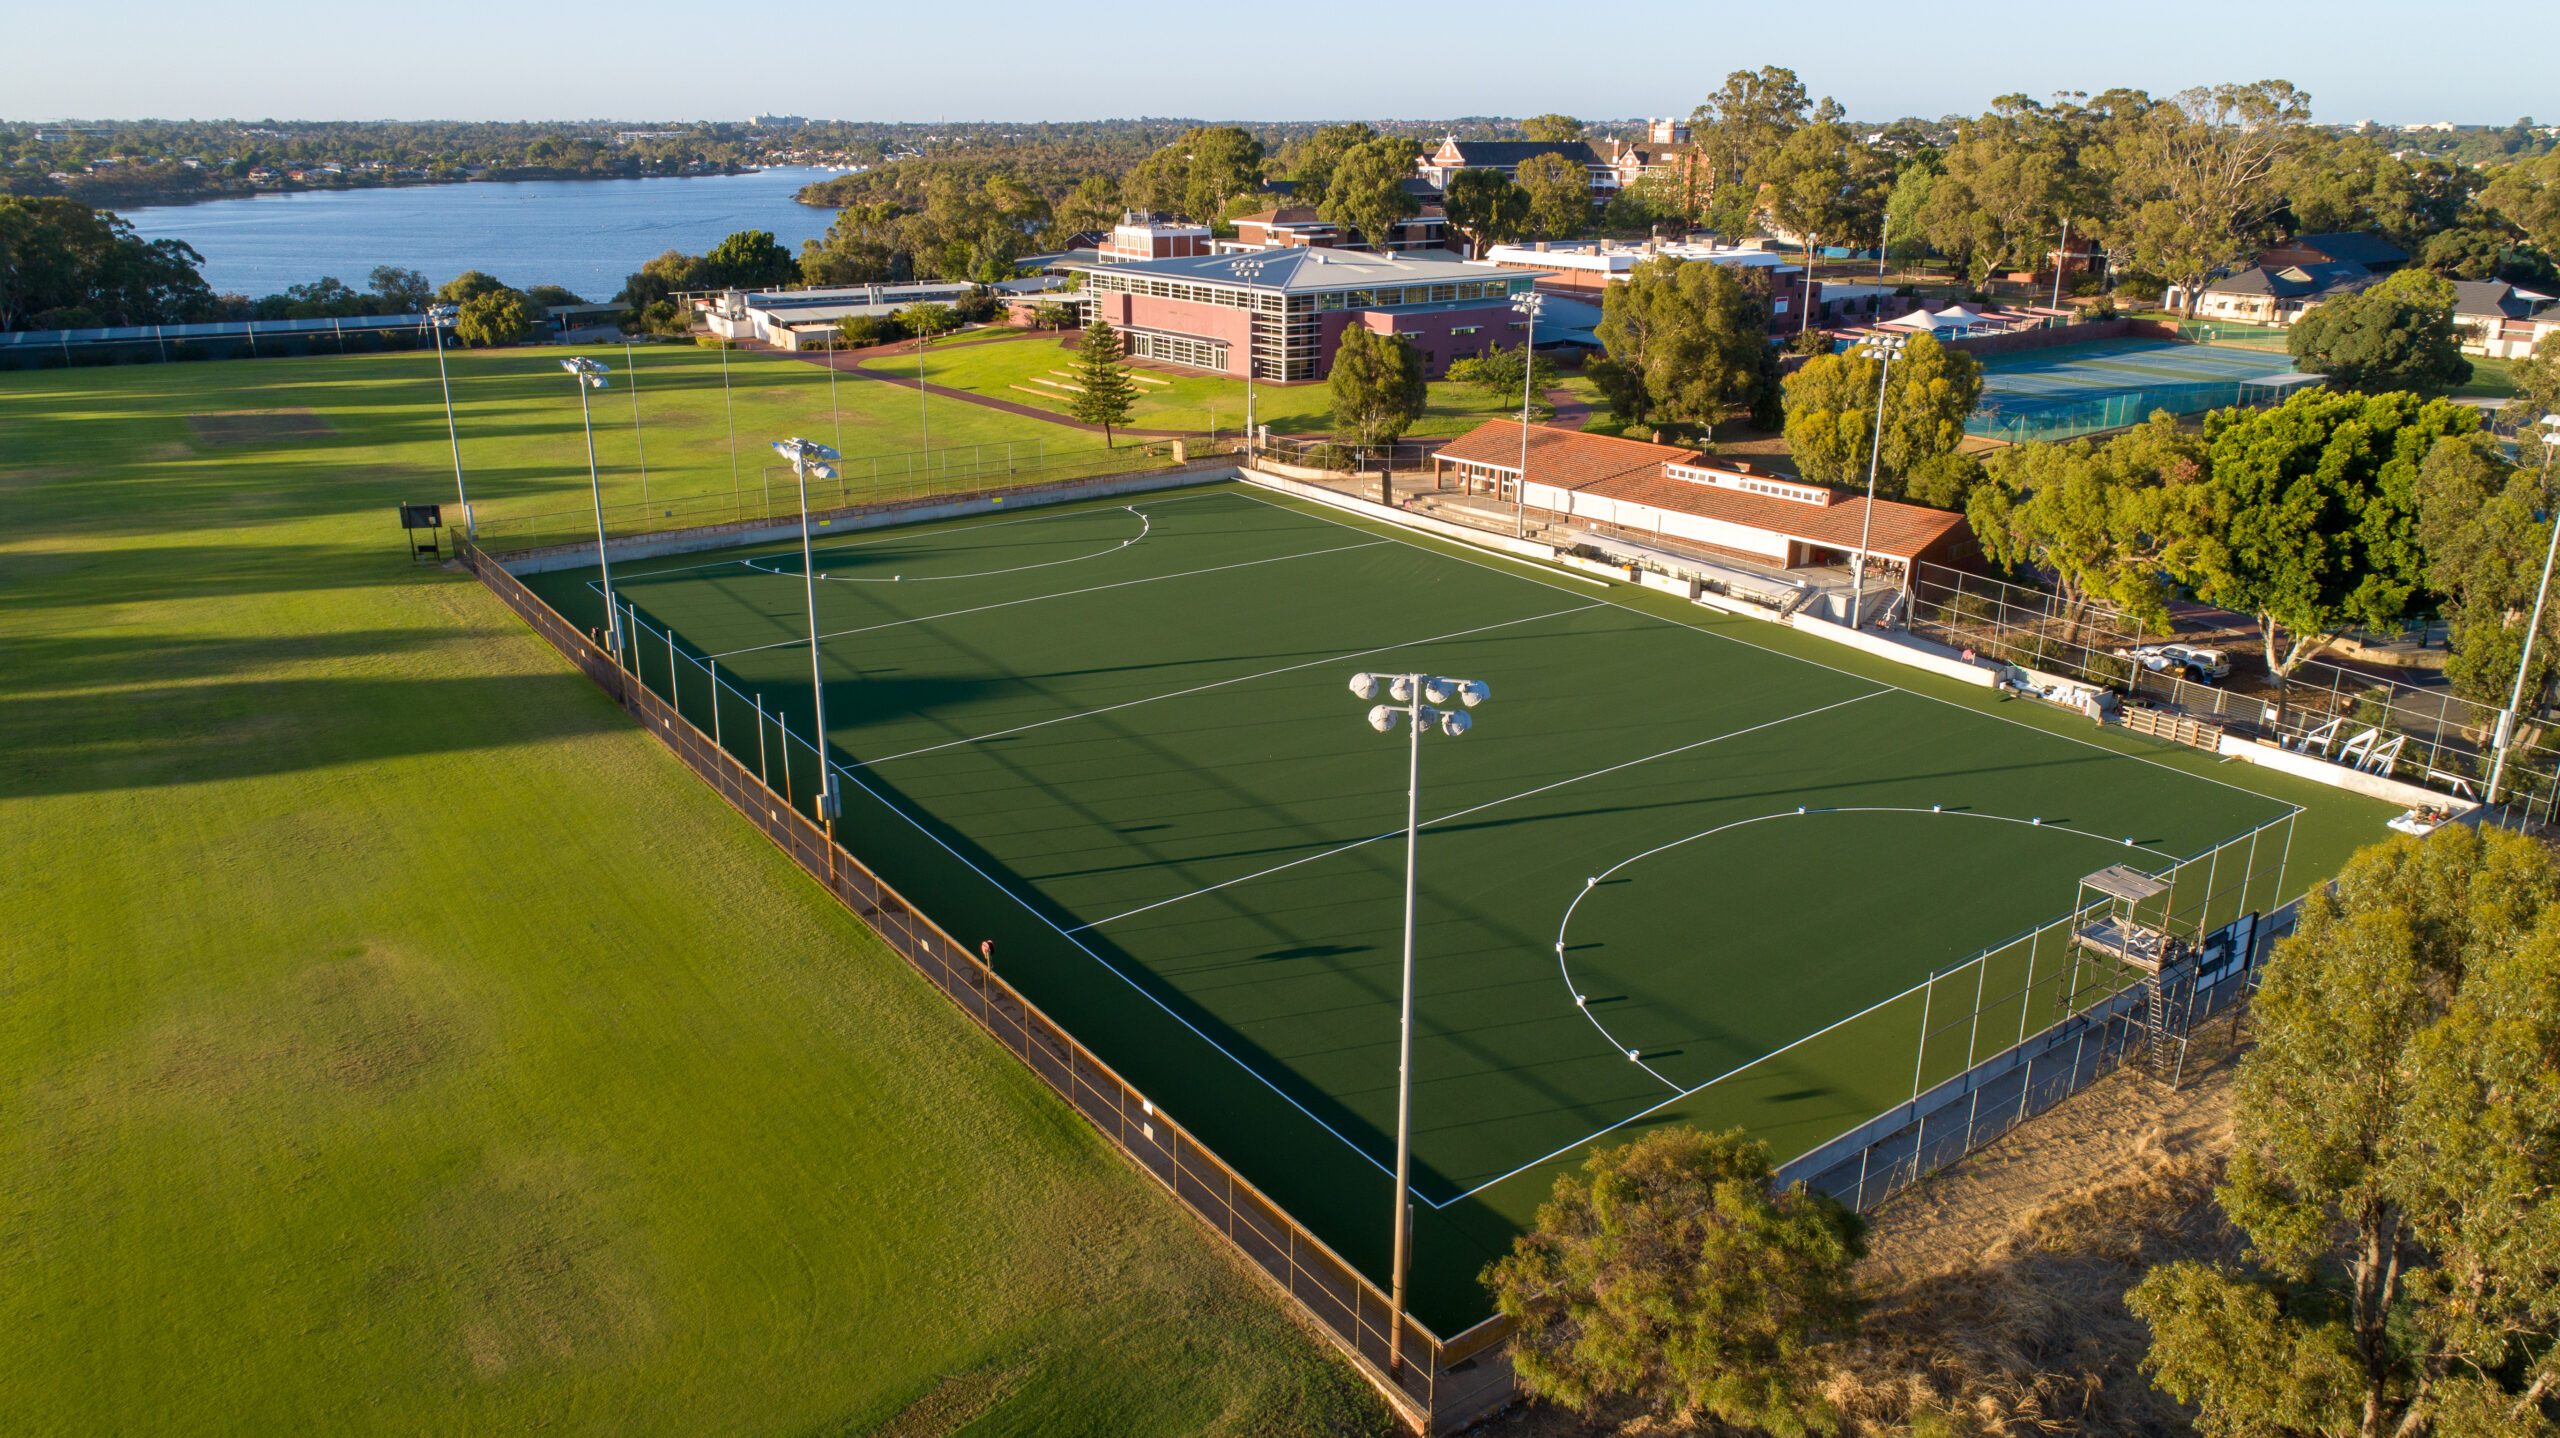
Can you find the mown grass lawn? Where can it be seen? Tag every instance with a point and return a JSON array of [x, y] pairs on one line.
[[1175, 399], [397, 1040]]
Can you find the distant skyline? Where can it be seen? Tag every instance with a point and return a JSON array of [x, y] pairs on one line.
[[1011, 61]]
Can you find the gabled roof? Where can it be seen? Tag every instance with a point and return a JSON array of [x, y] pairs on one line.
[[1900, 531], [2355, 247], [1571, 458], [2496, 299], [1512, 153], [1283, 215], [2294, 282]]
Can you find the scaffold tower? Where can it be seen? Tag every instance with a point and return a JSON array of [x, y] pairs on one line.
[[2124, 915]]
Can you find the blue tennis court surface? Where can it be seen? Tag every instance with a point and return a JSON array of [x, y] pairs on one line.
[[2086, 388]]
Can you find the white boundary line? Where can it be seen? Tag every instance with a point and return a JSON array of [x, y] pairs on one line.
[[1220, 684], [1044, 598], [1798, 658], [1590, 886], [896, 532], [1034, 911], [1146, 522], [1488, 804]]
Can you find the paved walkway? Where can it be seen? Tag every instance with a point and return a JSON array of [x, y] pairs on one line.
[[1571, 413]]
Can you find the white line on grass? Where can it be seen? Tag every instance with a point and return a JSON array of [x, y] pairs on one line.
[[1798, 658], [1488, 804], [1034, 910], [1573, 991], [1044, 598], [1223, 683], [899, 532], [1146, 522]]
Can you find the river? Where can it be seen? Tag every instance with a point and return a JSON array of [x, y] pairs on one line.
[[585, 234]]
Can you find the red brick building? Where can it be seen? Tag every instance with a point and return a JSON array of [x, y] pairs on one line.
[[1287, 307]]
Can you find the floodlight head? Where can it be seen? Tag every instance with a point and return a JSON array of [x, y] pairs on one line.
[[589, 372], [1472, 692], [822, 471], [1364, 686], [1454, 722], [442, 316], [1400, 689], [1436, 690], [1382, 718]]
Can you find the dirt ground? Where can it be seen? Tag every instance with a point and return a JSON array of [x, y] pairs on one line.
[[1996, 1289]]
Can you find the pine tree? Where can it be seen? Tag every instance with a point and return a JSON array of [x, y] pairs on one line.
[[1104, 393]]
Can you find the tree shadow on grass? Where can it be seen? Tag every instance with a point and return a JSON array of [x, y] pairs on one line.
[[177, 735]]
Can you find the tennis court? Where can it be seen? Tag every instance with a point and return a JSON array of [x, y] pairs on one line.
[[2075, 389], [1676, 873]]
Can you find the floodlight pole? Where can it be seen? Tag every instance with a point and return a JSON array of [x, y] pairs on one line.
[[1419, 691], [2542, 592], [1404, 1038], [590, 375], [631, 373], [2061, 257], [1875, 452], [1529, 305], [1249, 271], [800, 452], [439, 316]]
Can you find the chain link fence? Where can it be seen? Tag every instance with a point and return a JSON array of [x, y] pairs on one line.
[[767, 773], [2422, 733]]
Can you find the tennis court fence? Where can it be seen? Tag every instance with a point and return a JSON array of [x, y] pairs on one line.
[[2041, 1016], [1443, 1384], [2020, 419]]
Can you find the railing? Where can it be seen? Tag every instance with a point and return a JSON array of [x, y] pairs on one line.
[[1443, 1384], [2060, 1018], [872, 480], [2447, 737]]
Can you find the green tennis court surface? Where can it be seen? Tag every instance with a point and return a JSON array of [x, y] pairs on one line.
[[1115, 739], [2077, 371]]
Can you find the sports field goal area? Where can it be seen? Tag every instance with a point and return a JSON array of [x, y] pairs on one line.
[[1680, 871]]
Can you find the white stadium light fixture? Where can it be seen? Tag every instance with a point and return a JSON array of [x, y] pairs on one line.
[[590, 372], [1409, 693]]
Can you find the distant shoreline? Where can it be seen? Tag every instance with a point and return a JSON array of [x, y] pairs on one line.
[[157, 198]]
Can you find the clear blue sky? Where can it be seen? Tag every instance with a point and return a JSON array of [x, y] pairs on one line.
[[1070, 59]]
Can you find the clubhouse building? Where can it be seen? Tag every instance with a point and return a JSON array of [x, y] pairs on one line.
[[1284, 310], [1660, 492]]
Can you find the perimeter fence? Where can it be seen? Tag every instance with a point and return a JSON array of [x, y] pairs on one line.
[[2040, 1016], [2011, 419], [903, 478], [1442, 1384], [2423, 734]]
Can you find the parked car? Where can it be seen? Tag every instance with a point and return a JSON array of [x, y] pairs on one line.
[[2189, 661]]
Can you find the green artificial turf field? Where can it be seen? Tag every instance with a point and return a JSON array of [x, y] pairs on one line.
[[1115, 739], [393, 1040]]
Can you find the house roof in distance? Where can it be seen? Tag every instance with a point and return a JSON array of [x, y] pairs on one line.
[[2496, 299], [1512, 153]]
